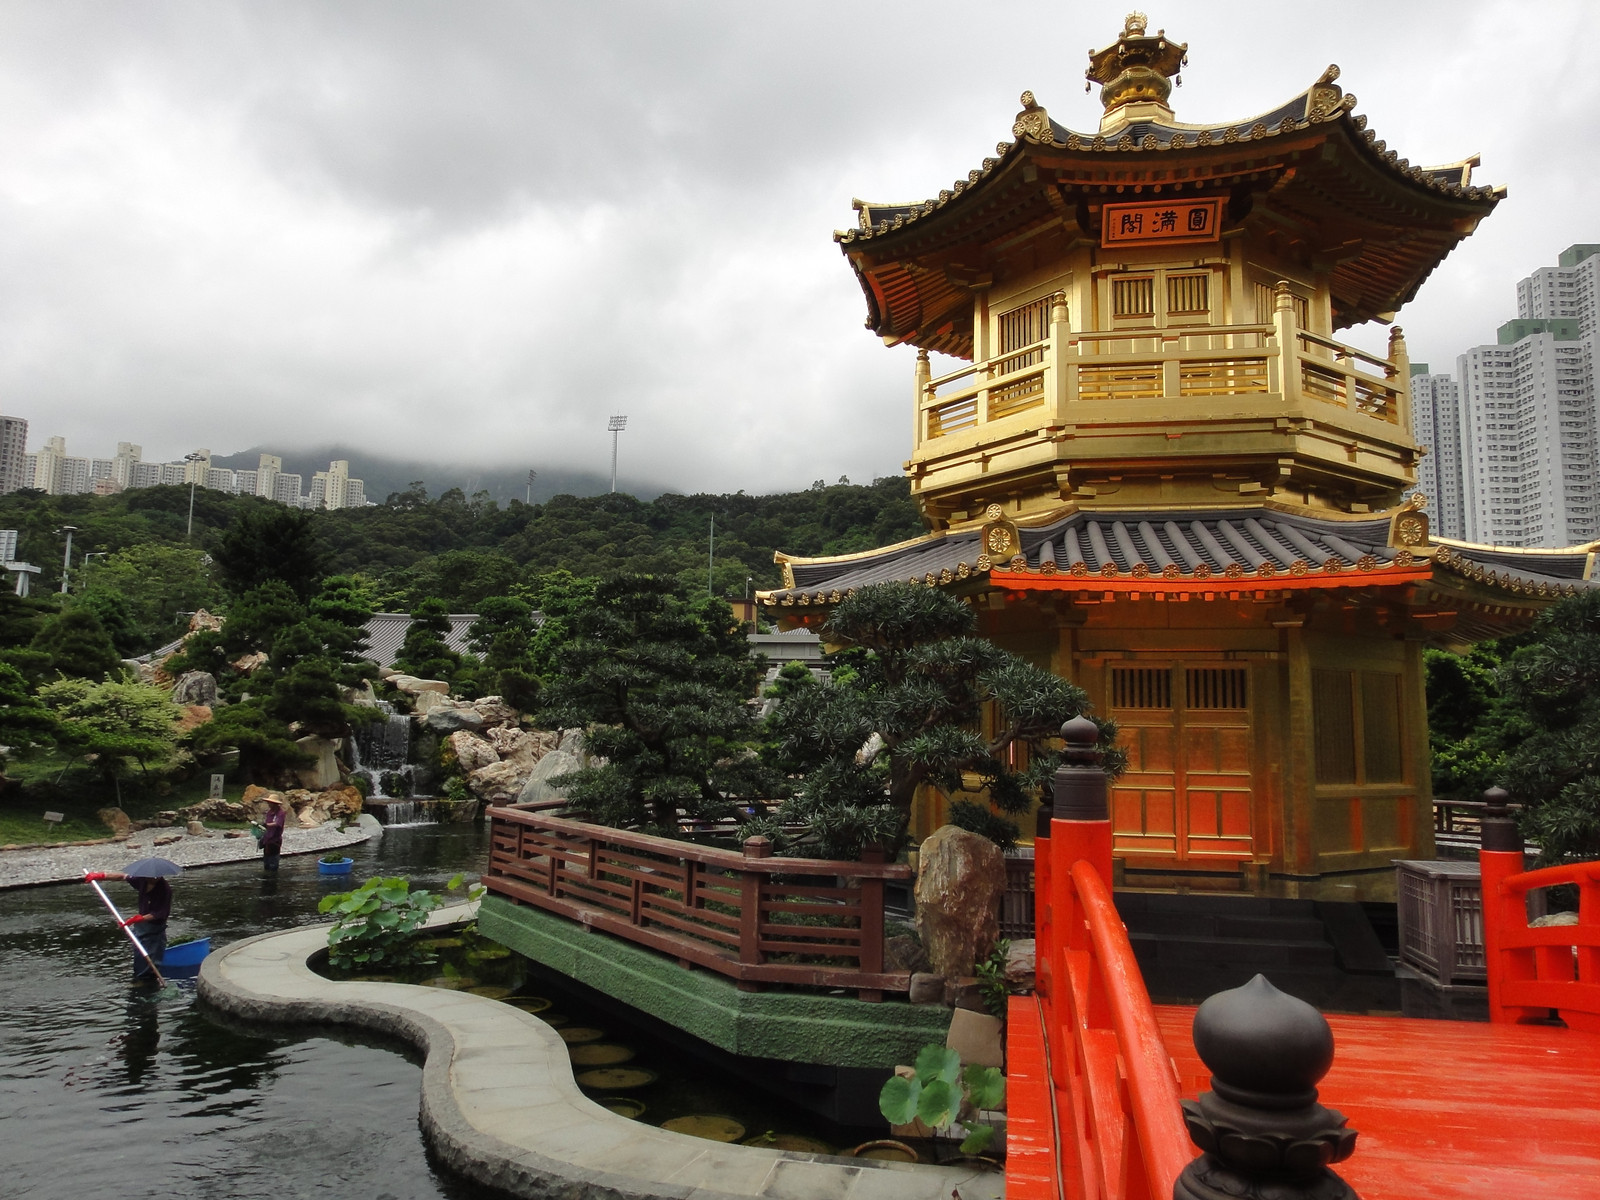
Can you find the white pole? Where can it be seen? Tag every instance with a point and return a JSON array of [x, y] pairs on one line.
[[711, 556], [66, 559]]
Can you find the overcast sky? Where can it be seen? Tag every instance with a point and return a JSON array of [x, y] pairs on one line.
[[464, 230]]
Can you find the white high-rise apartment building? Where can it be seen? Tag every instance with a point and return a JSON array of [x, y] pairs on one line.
[[1528, 427], [334, 488], [1436, 422], [57, 473]]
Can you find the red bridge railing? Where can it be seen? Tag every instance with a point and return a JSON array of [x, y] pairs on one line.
[[1534, 972], [757, 919], [1119, 1126]]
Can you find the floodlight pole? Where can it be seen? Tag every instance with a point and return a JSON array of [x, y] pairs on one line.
[[616, 425], [532, 475], [66, 559], [711, 556], [191, 459]]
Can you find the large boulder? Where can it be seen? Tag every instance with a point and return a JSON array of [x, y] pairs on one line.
[[448, 720], [538, 788], [471, 751], [213, 810], [117, 821], [960, 877], [427, 702], [413, 686], [193, 716], [499, 783], [519, 746], [495, 712], [195, 687], [324, 772], [254, 801]]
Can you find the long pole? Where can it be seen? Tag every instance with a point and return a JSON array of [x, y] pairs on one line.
[[711, 555], [614, 433], [66, 559], [137, 944]]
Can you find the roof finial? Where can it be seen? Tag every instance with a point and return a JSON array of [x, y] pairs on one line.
[[1137, 68]]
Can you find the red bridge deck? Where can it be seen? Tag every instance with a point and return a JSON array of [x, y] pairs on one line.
[[1449, 1109], [1445, 1109], [1442, 1109]]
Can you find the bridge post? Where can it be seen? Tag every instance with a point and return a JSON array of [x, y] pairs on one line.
[[1260, 1126], [1500, 856], [1080, 829]]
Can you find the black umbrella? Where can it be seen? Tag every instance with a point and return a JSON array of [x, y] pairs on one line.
[[152, 868]]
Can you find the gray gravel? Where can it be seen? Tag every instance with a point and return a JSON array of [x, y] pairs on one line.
[[21, 868]]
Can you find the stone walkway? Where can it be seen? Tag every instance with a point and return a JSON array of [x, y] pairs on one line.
[[63, 864], [499, 1105]]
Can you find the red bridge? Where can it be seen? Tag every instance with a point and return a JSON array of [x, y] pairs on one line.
[[1099, 1075]]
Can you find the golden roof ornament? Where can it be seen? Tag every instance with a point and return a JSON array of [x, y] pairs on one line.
[[1137, 69]]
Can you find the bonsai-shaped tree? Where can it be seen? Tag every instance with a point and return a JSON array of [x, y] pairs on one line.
[[906, 707], [502, 636], [660, 683], [116, 721], [77, 645], [25, 723], [424, 652]]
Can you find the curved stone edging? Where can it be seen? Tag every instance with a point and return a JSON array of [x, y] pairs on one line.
[[499, 1105]]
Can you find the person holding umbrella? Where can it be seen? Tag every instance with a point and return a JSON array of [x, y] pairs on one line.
[[148, 878]]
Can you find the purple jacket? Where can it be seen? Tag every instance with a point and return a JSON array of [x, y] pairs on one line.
[[273, 823]]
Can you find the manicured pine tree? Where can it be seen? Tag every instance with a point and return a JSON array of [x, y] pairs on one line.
[[424, 653], [77, 646], [661, 685], [905, 708]]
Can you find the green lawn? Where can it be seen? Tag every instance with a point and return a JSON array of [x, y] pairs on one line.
[[53, 783]]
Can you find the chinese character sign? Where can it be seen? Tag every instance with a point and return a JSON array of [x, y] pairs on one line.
[[1157, 222]]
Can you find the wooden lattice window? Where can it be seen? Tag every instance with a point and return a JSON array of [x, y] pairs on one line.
[[1359, 733], [1216, 687], [1188, 295], [1380, 728], [1141, 687], [1133, 297], [1333, 714], [1023, 327]]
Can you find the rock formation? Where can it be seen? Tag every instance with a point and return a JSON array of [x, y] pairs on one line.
[[960, 877]]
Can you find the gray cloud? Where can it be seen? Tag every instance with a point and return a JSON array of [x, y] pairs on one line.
[[476, 229]]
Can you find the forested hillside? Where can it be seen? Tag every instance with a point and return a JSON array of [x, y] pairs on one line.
[[451, 547]]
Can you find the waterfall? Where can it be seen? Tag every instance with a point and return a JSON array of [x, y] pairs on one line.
[[379, 753]]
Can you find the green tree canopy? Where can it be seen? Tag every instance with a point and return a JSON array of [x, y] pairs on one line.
[[25, 723], [77, 645], [269, 542], [116, 721], [424, 653], [660, 682], [157, 585], [267, 750]]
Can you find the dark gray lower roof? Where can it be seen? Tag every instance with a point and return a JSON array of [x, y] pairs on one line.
[[1175, 544]]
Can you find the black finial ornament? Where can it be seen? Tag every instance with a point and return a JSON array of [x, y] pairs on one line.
[[1264, 1135], [1499, 830], [1078, 787]]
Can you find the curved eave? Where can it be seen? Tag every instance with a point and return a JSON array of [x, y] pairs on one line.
[[909, 302]]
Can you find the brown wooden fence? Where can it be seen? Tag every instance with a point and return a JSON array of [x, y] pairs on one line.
[[757, 919]]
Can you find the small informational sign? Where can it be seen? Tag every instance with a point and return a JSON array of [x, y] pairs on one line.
[[1161, 222], [216, 786], [55, 818]]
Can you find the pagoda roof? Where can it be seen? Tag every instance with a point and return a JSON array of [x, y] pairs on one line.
[[1269, 546], [1326, 186]]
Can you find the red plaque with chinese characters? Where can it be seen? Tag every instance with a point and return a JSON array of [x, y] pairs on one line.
[[1161, 222]]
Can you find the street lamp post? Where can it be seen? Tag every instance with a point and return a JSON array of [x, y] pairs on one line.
[[66, 559], [616, 426], [191, 459]]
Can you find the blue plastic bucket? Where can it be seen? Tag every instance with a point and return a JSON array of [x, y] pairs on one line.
[[342, 867], [186, 954]]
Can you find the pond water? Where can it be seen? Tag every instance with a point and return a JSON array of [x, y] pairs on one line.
[[104, 1093]]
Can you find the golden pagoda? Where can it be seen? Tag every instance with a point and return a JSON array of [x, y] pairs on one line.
[[1158, 474]]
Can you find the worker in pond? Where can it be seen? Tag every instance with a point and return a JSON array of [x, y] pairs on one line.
[[272, 826], [149, 924]]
